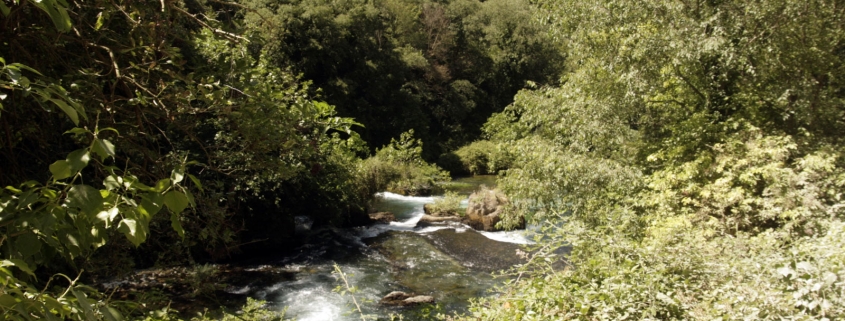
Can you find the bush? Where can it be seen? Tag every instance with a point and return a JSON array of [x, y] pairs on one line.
[[449, 204], [480, 158], [399, 168]]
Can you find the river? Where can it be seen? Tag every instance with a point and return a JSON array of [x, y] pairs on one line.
[[451, 263]]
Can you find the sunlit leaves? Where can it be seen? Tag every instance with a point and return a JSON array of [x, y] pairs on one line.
[[176, 201], [723, 109], [61, 169], [103, 148], [86, 198]]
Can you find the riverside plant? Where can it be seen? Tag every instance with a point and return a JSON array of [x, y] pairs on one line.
[[449, 203], [345, 288]]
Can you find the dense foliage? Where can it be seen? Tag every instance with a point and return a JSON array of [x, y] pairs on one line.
[[438, 67], [692, 159], [99, 98], [689, 152]]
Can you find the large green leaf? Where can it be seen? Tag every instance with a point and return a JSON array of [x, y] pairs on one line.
[[103, 148], [28, 244], [108, 216], [177, 175], [61, 169], [57, 12], [78, 159], [151, 204], [4, 9], [162, 185], [86, 198], [20, 264], [133, 231], [176, 224], [71, 113], [87, 308], [176, 201]]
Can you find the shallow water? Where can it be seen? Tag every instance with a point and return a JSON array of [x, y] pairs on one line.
[[450, 263]]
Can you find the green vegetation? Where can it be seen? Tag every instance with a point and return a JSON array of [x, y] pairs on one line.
[[690, 152], [450, 204], [399, 168], [482, 157], [438, 67], [692, 159]]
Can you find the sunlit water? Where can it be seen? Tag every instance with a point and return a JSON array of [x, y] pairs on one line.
[[452, 264]]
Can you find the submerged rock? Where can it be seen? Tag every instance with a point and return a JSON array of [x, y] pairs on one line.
[[400, 298], [473, 250]]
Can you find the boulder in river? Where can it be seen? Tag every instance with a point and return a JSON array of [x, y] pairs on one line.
[[485, 210], [382, 217], [427, 220], [400, 298]]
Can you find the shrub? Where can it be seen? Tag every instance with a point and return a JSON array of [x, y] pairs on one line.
[[450, 203], [484, 157], [399, 168]]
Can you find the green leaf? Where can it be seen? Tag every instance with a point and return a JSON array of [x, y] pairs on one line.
[[78, 159], [109, 129], [61, 170], [176, 224], [104, 148], [108, 216], [77, 131], [57, 12], [85, 304], [14, 74], [28, 244], [177, 176], [7, 301], [151, 204], [86, 198], [74, 116], [20, 264], [5, 10], [176, 201], [133, 232], [112, 314], [162, 185], [196, 181], [112, 182], [101, 18]]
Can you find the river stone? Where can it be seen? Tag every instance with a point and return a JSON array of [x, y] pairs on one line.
[[473, 250], [396, 296], [485, 209], [382, 217], [428, 220], [404, 299], [419, 299], [428, 209]]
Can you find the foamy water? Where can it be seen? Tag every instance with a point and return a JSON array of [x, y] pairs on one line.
[[413, 212]]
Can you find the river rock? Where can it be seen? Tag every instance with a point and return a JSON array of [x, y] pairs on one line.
[[429, 209], [404, 299], [485, 210], [382, 217], [428, 220]]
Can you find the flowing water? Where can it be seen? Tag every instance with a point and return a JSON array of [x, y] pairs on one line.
[[450, 263]]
